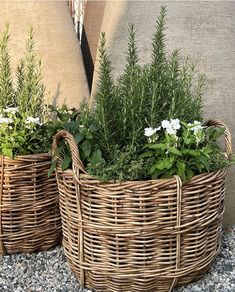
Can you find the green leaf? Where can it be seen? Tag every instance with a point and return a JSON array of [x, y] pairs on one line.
[[165, 163], [199, 165], [86, 148], [205, 162], [191, 152], [93, 128], [7, 152], [74, 125], [95, 157], [181, 169], [187, 140], [78, 137], [82, 130], [169, 173], [157, 146], [89, 135], [21, 139], [67, 127], [155, 175], [52, 168], [175, 151], [66, 163], [206, 151], [189, 173], [146, 154]]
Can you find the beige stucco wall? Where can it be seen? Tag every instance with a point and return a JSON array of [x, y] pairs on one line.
[[205, 31], [56, 44], [92, 24]]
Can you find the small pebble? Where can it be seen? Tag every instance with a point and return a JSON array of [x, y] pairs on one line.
[[50, 272]]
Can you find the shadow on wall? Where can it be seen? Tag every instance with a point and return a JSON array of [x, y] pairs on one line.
[[87, 59], [100, 16], [90, 36], [55, 97]]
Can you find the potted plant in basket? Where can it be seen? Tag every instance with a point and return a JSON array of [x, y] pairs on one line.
[[29, 213], [144, 211]]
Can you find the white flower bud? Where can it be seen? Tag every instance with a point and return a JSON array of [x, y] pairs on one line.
[[148, 132], [12, 110], [32, 120]]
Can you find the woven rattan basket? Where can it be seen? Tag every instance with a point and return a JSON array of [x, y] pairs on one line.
[[29, 209], [139, 235]]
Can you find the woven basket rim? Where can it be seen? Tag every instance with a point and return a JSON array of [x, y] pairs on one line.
[[195, 177], [38, 155]]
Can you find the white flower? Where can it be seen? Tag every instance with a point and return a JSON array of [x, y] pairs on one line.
[[32, 120], [6, 120], [166, 124], [10, 127], [150, 131], [196, 126], [171, 131], [175, 123], [171, 126], [11, 110]]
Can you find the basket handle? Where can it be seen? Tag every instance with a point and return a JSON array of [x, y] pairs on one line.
[[77, 167], [227, 136], [76, 161]]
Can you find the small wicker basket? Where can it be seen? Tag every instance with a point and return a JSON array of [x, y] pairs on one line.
[[29, 205], [140, 235]]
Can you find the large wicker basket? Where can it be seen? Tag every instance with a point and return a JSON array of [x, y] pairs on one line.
[[29, 205], [140, 235]]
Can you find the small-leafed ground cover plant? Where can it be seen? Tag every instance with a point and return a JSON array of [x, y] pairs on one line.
[[149, 121]]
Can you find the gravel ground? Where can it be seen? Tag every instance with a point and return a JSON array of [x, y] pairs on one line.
[[49, 271]]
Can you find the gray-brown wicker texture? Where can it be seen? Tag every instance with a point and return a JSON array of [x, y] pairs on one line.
[[29, 205], [139, 235]]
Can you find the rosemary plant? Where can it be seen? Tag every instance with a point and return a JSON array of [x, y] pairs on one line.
[[6, 83], [24, 124], [148, 122], [30, 90], [105, 104], [167, 88], [144, 95]]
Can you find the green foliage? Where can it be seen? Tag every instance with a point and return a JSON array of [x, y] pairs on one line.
[[81, 126], [157, 71], [131, 103], [124, 166], [23, 111], [165, 88], [6, 84], [19, 137], [30, 90], [157, 100], [175, 90], [144, 95], [218, 161], [105, 100], [188, 151]]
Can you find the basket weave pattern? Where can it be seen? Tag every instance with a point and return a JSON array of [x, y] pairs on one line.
[[140, 235], [29, 205]]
